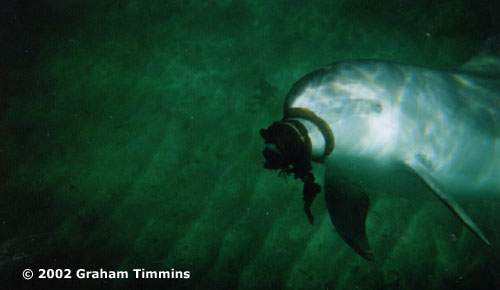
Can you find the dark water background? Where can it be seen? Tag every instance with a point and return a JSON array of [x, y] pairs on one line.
[[129, 138]]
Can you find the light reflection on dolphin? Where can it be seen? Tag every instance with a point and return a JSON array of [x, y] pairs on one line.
[[442, 128]]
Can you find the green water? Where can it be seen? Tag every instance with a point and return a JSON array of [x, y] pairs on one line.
[[129, 139]]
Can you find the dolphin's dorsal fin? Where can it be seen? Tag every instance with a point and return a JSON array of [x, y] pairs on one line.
[[347, 205], [421, 171], [482, 64]]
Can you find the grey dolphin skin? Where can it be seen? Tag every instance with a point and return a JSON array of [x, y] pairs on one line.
[[372, 122]]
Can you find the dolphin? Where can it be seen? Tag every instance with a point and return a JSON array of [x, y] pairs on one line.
[[397, 127]]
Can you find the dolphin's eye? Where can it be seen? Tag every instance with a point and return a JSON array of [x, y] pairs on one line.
[[377, 107]]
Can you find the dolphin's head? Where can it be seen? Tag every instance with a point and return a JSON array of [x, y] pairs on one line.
[[355, 103], [337, 99]]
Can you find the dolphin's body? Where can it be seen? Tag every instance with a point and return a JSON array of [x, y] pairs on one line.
[[443, 127], [448, 122]]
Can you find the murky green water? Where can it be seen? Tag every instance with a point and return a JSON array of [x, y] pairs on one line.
[[129, 138]]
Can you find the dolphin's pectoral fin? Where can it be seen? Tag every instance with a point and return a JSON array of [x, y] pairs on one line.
[[431, 183], [348, 207]]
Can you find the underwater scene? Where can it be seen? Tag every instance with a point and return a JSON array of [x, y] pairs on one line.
[[250, 144]]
